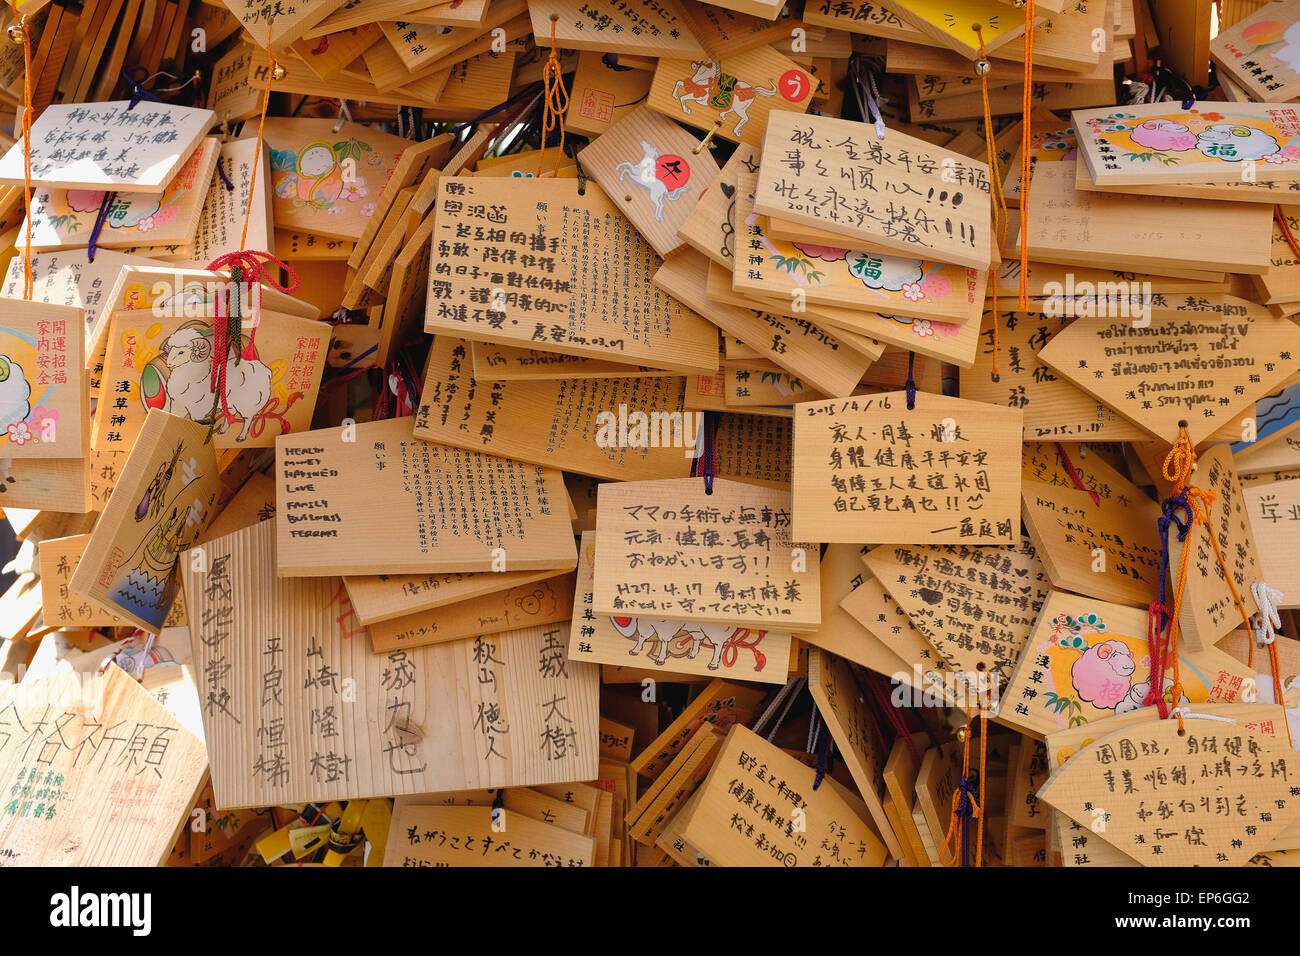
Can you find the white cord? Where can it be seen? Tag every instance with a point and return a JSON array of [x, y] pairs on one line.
[[1269, 621], [344, 112], [1187, 712], [776, 702]]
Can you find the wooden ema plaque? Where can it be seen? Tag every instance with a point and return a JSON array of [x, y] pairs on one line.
[[746, 810], [112, 146], [900, 193], [329, 481], [670, 549], [702, 650], [1223, 791], [297, 708], [653, 167], [735, 98], [658, 437], [162, 501], [44, 400], [569, 274], [165, 363], [474, 836], [1257, 52], [976, 605], [799, 271], [95, 772], [1212, 142], [1202, 365], [1087, 660], [867, 470], [835, 691]]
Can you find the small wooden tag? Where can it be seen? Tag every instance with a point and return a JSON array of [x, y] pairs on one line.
[[867, 470], [329, 480], [652, 169], [738, 653], [161, 503], [1215, 794], [670, 549], [44, 402], [899, 193], [1087, 660]]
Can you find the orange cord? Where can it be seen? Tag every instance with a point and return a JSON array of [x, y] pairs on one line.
[[954, 822], [1000, 216], [257, 153], [27, 148], [977, 809], [1025, 137], [1177, 468], [555, 102]]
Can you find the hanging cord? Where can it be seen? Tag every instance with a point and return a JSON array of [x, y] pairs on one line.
[[1001, 218], [1177, 468], [1074, 473], [138, 91], [230, 187], [792, 684], [1270, 623], [707, 464], [101, 220], [966, 803], [1025, 142], [894, 717], [867, 93], [28, 276], [245, 266], [909, 387], [555, 102], [1280, 217], [345, 115], [776, 724]]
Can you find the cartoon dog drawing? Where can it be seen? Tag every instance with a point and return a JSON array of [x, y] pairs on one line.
[[709, 86], [179, 380], [643, 629], [643, 174]]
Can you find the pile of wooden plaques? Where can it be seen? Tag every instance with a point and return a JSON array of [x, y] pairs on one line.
[[547, 433]]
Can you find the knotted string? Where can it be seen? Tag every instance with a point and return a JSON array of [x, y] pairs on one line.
[[909, 387], [138, 92], [1270, 622], [966, 804], [555, 101], [230, 187], [1074, 474]]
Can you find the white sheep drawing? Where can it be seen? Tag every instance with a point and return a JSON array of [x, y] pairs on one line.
[[187, 353]]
